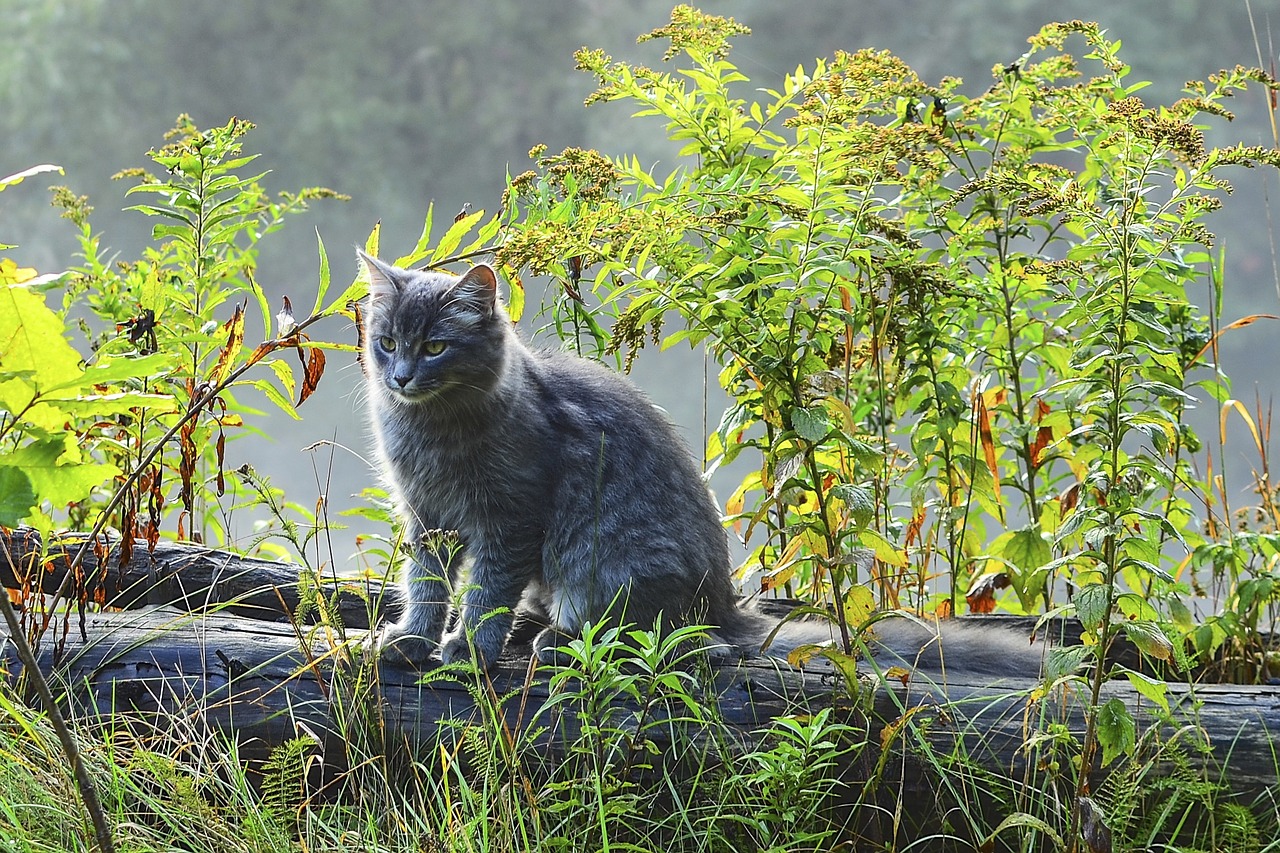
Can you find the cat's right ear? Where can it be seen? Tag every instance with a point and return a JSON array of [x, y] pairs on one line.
[[382, 277]]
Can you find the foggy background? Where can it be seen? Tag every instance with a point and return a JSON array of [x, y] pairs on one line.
[[400, 104]]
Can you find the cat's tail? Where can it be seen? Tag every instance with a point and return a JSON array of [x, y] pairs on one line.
[[949, 647]]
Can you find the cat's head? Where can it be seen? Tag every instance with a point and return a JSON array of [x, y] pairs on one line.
[[432, 337]]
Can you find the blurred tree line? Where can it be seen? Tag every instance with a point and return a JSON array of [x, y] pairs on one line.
[[401, 104]]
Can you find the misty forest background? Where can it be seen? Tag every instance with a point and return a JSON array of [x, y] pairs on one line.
[[400, 105]]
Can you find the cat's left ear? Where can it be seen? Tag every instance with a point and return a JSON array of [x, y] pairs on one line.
[[479, 287], [382, 277]]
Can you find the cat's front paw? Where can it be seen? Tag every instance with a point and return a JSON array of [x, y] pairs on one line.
[[457, 647], [399, 647], [546, 646]]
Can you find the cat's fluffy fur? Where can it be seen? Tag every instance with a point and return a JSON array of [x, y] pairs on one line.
[[565, 485]]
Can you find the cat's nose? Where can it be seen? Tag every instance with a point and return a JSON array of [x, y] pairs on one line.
[[402, 380]]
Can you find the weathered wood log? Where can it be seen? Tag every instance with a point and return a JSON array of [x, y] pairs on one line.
[[262, 680], [179, 574], [264, 683]]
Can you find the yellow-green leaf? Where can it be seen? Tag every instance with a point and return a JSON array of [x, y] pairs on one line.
[[1151, 688], [33, 343], [57, 470]]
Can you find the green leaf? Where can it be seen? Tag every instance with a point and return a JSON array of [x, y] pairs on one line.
[[420, 249], [32, 337], [57, 470], [885, 551], [32, 341], [284, 373], [1151, 688], [123, 402], [858, 500], [1023, 821], [1027, 549], [1149, 637], [811, 424], [17, 497], [323, 286], [274, 395], [1092, 603], [1117, 732], [113, 371], [454, 236], [1065, 660]]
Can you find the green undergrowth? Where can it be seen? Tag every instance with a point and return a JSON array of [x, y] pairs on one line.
[[631, 749]]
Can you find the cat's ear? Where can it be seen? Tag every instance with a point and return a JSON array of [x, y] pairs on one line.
[[479, 287], [383, 280]]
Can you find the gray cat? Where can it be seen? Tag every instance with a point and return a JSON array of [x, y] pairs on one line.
[[566, 487]]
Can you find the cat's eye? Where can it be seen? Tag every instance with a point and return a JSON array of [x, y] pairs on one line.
[[434, 347], [387, 344]]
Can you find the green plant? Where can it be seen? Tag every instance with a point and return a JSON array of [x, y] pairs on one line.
[[132, 437], [960, 332]]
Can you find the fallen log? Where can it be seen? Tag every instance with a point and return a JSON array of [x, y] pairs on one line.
[[187, 576], [264, 683], [220, 654]]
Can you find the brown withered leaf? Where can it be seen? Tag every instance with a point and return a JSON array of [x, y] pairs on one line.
[[981, 596], [1096, 834], [221, 446], [187, 467], [987, 441], [357, 315], [261, 351], [311, 376], [1044, 435], [1070, 498], [1238, 324], [914, 527], [128, 522], [235, 340], [152, 486]]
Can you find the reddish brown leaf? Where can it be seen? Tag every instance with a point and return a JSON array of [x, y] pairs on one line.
[[981, 597], [913, 527], [128, 520], [1044, 437], [221, 449], [987, 441], [1070, 498], [311, 376], [261, 352]]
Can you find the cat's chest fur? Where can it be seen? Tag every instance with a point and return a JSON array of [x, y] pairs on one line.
[[457, 478]]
